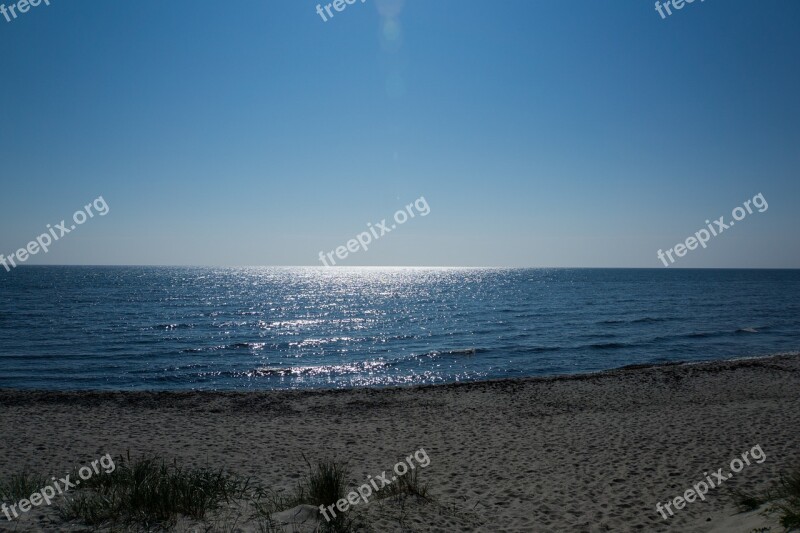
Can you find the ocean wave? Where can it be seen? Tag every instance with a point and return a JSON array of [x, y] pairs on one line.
[[233, 346], [641, 320], [351, 368], [650, 320], [463, 351], [710, 334], [168, 327], [604, 335], [532, 349], [609, 345], [321, 342], [693, 335]]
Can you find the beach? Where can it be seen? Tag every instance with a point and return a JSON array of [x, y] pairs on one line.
[[411, 267], [593, 452]]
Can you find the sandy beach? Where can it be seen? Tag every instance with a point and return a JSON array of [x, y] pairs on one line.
[[592, 452]]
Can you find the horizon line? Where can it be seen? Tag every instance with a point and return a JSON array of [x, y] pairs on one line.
[[405, 267]]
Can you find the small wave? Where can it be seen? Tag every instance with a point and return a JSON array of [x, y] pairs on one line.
[[643, 320], [169, 326], [398, 337], [204, 349], [321, 342], [234, 346], [596, 336], [706, 334], [248, 345], [228, 324], [609, 345], [353, 368], [701, 335], [693, 335], [290, 324], [463, 351], [531, 349], [649, 320], [282, 371]]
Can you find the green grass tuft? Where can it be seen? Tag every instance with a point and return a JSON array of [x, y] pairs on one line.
[[406, 485], [21, 486], [150, 491], [790, 504], [325, 484], [785, 500], [749, 502]]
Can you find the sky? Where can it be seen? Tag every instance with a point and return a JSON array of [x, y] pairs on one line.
[[569, 133]]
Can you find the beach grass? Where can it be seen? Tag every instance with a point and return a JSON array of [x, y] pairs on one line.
[[749, 502], [152, 491], [406, 485], [20, 486], [789, 505], [325, 484], [785, 499]]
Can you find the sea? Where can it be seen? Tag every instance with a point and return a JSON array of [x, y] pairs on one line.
[[187, 328]]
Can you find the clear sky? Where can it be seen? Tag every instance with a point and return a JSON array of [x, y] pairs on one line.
[[541, 133]]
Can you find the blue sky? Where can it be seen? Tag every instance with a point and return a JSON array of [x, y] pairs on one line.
[[541, 133]]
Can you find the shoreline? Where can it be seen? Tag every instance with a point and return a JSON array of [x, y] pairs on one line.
[[708, 364], [588, 452]]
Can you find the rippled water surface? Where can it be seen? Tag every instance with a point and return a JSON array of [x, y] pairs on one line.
[[230, 328]]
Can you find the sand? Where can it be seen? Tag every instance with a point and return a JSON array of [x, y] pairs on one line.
[[592, 453]]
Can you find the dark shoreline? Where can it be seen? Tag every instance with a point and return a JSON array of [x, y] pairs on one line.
[[11, 396]]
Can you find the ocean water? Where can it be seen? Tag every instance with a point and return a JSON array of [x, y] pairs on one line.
[[278, 328]]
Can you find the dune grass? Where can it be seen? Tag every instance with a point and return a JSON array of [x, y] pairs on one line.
[[406, 485], [789, 504], [749, 502], [150, 491], [21, 486], [785, 499], [325, 484]]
